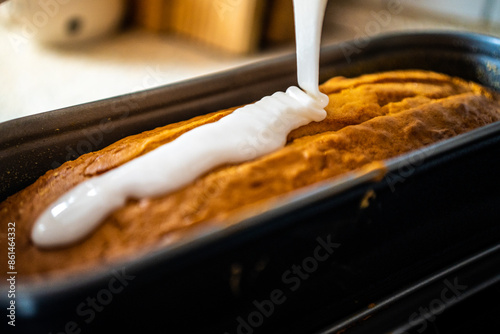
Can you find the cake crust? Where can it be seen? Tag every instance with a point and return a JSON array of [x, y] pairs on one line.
[[370, 118]]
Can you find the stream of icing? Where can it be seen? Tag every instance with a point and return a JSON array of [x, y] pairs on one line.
[[308, 25], [174, 165]]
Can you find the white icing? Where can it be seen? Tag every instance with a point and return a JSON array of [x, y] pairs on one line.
[[178, 163], [245, 134], [308, 25]]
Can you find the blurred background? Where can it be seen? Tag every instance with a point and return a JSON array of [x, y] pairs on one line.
[[56, 53]]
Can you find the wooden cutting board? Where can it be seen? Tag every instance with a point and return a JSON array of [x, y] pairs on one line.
[[235, 26]]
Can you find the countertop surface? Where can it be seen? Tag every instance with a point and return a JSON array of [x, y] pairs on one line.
[[36, 78]]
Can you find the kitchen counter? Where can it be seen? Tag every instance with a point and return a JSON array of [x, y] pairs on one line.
[[35, 78]]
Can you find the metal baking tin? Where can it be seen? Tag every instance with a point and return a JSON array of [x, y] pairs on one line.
[[434, 209]]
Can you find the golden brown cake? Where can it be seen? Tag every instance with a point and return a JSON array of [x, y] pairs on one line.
[[370, 118]]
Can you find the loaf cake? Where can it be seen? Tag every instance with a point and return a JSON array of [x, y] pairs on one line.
[[369, 118]]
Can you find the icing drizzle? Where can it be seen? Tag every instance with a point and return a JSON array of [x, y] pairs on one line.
[[174, 165]]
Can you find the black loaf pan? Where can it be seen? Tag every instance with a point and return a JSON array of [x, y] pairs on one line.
[[436, 210]]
